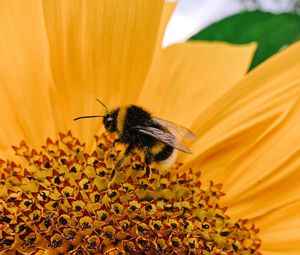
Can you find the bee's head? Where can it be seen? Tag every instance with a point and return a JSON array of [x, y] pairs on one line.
[[110, 120]]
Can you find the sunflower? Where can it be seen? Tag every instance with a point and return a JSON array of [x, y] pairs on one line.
[[56, 196]]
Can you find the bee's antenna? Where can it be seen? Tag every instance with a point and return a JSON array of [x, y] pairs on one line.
[[101, 103], [89, 116]]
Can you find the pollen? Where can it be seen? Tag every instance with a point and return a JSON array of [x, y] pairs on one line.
[[61, 199]]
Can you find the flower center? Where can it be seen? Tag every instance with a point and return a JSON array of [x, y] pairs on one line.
[[62, 200]]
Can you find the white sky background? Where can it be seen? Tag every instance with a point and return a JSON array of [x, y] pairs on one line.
[[191, 16]]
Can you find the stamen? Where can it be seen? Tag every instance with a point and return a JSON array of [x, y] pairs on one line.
[[61, 200]]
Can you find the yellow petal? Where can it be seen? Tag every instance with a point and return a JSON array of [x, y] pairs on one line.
[[268, 177], [193, 75], [280, 230], [242, 136], [25, 75], [99, 49]]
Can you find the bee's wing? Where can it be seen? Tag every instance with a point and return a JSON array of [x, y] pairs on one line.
[[164, 137], [178, 131]]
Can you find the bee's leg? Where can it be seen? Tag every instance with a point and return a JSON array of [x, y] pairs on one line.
[[121, 160], [148, 160], [113, 144]]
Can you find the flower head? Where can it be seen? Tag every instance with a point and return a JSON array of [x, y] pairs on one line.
[[60, 199]]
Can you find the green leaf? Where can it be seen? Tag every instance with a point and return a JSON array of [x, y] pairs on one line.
[[271, 31]]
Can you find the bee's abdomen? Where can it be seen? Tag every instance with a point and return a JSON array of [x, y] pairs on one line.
[[161, 151], [165, 155]]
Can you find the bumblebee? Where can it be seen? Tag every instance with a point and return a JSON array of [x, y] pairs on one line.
[[158, 139]]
